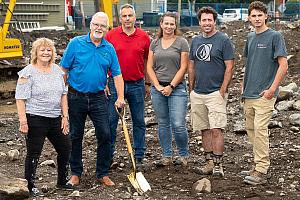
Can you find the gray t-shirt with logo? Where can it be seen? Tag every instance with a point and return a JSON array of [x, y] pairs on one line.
[[209, 55], [262, 51], [42, 91], [167, 61]]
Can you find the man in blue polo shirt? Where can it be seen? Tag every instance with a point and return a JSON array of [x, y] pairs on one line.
[[86, 62]]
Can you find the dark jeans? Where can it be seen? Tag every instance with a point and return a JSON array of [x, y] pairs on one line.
[[134, 92], [39, 129], [96, 108]]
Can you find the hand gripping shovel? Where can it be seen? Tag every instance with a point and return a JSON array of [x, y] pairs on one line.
[[136, 179]]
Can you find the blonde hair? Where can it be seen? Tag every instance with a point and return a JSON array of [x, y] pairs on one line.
[[42, 42]]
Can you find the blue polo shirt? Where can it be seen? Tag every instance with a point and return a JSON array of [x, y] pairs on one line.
[[88, 64]]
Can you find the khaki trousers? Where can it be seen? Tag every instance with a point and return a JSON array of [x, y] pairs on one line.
[[258, 113]]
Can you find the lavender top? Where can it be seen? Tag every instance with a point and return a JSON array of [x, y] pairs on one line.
[[42, 91]]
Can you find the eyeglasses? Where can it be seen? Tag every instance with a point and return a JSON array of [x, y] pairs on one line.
[[102, 26]]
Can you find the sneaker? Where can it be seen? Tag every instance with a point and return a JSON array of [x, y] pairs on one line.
[[139, 164], [67, 186], [181, 161], [218, 170], [35, 192], [207, 168], [165, 161], [247, 172], [256, 178]]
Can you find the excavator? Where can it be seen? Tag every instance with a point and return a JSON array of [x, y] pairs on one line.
[[9, 47]]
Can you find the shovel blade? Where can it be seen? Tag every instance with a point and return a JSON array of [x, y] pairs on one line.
[[139, 182]]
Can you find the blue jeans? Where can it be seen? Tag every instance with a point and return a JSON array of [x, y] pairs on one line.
[[96, 108], [134, 92], [170, 113]]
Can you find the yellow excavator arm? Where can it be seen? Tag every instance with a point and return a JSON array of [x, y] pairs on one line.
[[9, 47]]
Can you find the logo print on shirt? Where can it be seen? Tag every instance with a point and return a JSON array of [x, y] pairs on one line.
[[261, 46], [203, 52]]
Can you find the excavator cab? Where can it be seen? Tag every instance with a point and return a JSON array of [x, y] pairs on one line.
[[9, 47]]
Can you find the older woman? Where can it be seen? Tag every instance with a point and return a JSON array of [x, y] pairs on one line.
[[43, 111], [166, 67]]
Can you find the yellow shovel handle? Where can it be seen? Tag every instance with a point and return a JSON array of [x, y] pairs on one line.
[[125, 130]]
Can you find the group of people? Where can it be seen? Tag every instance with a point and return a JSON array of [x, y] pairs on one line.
[[98, 71]]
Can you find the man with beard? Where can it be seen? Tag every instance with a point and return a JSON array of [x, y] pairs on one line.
[[266, 67], [132, 47], [86, 62], [210, 71]]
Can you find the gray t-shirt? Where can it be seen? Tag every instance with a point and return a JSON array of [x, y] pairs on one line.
[[167, 61], [42, 91], [261, 51], [209, 55]]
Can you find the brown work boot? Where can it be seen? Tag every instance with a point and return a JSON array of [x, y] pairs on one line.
[[256, 178], [105, 180], [207, 168], [165, 161], [74, 180]]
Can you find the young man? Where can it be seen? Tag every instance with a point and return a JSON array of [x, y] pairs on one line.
[[132, 47], [86, 62], [266, 66], [210, 71]]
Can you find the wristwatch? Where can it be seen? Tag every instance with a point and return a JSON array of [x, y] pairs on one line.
[[172, 86]]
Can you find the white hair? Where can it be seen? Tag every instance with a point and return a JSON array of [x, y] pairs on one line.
[[100, 14]]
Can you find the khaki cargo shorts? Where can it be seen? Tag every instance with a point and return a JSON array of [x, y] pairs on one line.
[[208, 111]]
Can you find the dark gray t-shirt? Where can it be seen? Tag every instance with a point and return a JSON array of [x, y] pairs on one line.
[[261, 51], [42, 91], [167, 61], [209, 55]]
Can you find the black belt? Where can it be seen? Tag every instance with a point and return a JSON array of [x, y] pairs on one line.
[[88, 94], [165, 84]]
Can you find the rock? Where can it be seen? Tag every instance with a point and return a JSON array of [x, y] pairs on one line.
[[275, 124], [10, 143], [295, 119], [292, 86], [296, 105], [270, 192], [13, 188], [294, 129], [239, 127], [90, 133], [150, 121], [2, 155], [50, 163], [284, 95], [45, 188], [201, 186], [284, 105], [13, 154], [280, 180], [75, 194]]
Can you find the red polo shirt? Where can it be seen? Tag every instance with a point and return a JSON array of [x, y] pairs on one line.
[[131, 50]]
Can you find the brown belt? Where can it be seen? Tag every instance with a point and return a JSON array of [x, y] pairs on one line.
[[88, 94]]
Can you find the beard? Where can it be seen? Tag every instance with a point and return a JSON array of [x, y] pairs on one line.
[[98, 35]]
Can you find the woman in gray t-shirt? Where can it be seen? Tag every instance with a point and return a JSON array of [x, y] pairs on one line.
[[166, 67], [41, 98]]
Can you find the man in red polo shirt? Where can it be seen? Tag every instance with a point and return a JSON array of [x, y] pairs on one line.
[[132, 46]]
